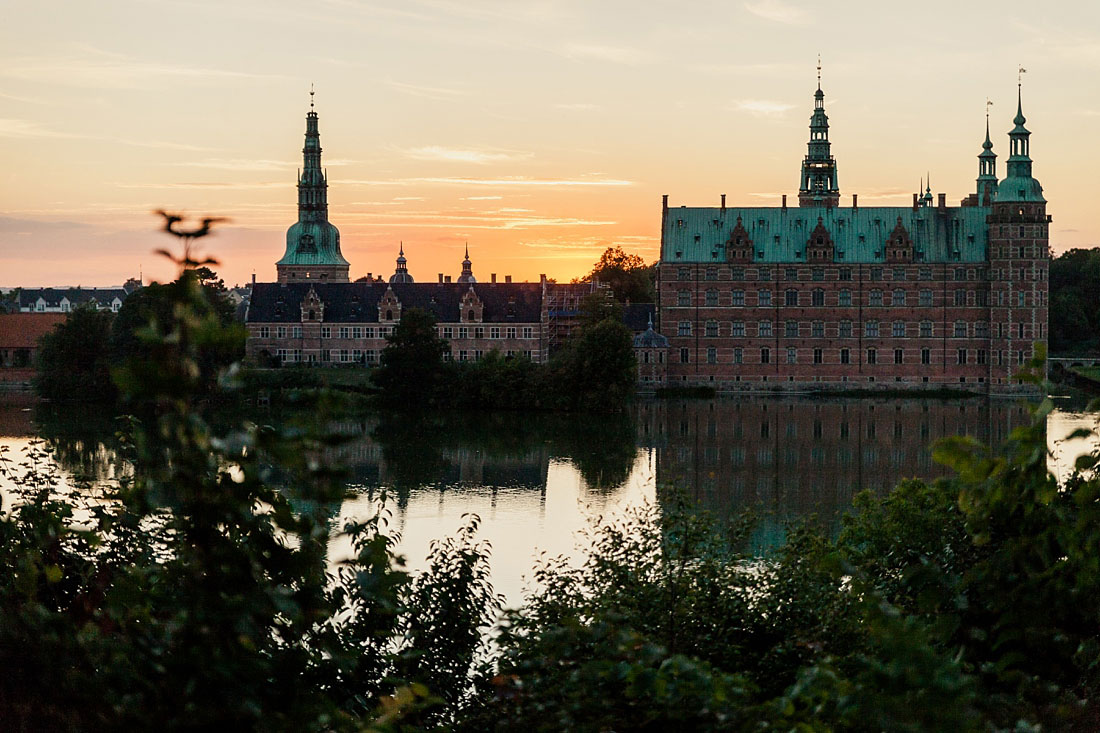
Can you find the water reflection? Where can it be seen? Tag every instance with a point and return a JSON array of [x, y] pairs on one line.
[[538, 479]]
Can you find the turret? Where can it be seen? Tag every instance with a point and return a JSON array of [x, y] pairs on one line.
[[987, 168], [312, 244], [1019, 186], [467, 275], [401, 274], [819, 186]]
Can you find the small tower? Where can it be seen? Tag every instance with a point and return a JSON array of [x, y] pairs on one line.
[[819, 186], [987, 167], [401, 274], [467, 275], [1019, 259], [312, 243]]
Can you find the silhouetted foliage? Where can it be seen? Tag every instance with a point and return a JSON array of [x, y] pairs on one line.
[[409, 373], [629, 277], [72, 359], [1074, 303]]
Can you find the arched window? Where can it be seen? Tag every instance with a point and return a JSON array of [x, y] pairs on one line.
[[471, 316], [311, 315], [389, 315]]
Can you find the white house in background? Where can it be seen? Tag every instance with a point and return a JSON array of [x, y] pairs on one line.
[[64, 300]]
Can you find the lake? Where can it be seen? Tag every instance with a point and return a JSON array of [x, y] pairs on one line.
[[538, 480]]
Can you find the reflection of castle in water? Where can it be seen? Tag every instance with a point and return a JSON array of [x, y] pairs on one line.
[[801, 456]]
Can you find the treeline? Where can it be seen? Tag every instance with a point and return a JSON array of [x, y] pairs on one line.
[[196, 596], [76, 360], [594, 371], [1075, 302]]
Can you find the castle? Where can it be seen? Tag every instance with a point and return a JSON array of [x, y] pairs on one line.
[[825, 297], [314, 315]]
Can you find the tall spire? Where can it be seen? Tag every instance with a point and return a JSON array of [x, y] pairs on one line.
[[401, 273], [467, 275], [818, 186], [312, 244], [1019, 186], [987, 165]]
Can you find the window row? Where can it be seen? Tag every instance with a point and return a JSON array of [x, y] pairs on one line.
[[961, 297], [821, 273], [370, 332], [875, 356], [846, 329]]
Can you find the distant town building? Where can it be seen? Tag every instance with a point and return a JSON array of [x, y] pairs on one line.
[[651, 353], [829, 297], [64, 300], [19, 334]]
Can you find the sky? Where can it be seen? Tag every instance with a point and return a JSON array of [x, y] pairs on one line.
[[538, 132]]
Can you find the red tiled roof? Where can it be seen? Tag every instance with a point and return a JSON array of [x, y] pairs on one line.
[[22, 330]]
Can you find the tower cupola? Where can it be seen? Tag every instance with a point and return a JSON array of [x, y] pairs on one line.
[[819, 186], [467, 275], [401, 274], [987, 167], [1019, 186]]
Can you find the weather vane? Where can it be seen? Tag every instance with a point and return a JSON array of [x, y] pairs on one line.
[[1020, 76], [819, 71], [988, 104], [311, 95]]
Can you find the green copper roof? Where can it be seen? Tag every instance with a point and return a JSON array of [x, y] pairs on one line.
[[699, 234], [1020, 189]]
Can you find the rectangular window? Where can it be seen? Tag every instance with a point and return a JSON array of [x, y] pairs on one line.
[[845, 273], [368, 332], [477, 354], [790, 329], [464, 332], [479, 332], [791, 274], [764, 298], [926, 329], [818, 329], [818, 356], [265, 332], [372, 356], [790, 297], [712, 273], [845, 356], [357, 356], [326, 332], [981, 356], [875, 298], [844, 298], [962, 356], [792, 355], [494, 332], [448, 332], [960, 329], [876, 273], [712, 329], [898, 356], [926, 356], [683, 274], [345, 332], [357, 332], [738, 298], [738, 356], [326, 356], [817, 298], [463, 355], [765, 355], [872, 356], [345, 356], [870, 329], [711, 297], [845, 330], [818, 273], [1020, 298], [684, 328], [683, 298], [899, 273], [764, 329], [926, 273], [528, 332], [981, 330], [684, 356], [280, 331], [764, 274], [712, 355], [898, 297], [960, 297], [737, 273], [510, 332], [926, 298], [737, 329], [898, 330]]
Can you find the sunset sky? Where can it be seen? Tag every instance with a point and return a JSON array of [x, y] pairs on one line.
[[539, 132]]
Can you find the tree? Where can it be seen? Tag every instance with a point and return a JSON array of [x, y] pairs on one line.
[[1074, 305], [596, 370], [73, 359], [629, 277], [410, 369]]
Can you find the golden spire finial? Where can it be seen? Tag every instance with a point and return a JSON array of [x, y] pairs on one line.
[[311, 95]]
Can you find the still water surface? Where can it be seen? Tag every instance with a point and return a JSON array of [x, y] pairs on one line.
[[537, 480]]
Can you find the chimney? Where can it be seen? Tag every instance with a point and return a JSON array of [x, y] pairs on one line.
[[493, 278], [370, 277], [507, 278], [941, 204], [542, 278], [664, 201], [253, 279], [441, 278], [723, 202], [784, 202], [447, 279], [855, 201], [915, 202]]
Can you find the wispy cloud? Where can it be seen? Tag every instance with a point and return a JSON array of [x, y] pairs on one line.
[[777, 11], [612, 54], [466, 155], [482, 198], [240, 164], [29, 129], [523, 181], [418, 90], [105, 70], [500, 219], [577, 106], [209, 185], [13, 225], [762, 107]]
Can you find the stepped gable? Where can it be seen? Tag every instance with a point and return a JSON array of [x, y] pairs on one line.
[[358, 302]]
